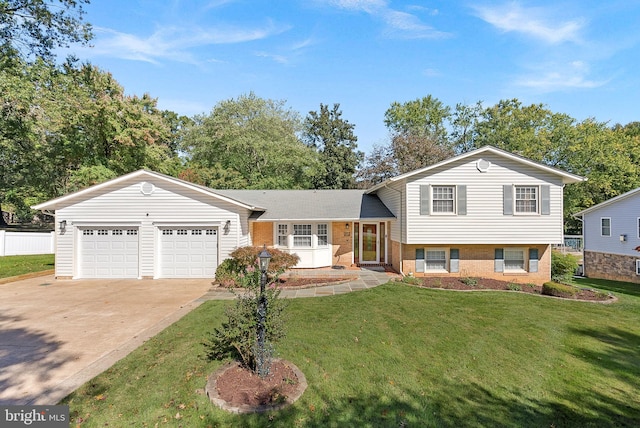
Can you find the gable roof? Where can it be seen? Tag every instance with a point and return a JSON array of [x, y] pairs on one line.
[[142, 173], [340, 204], [613, 200], [566, 176], [267, 205]]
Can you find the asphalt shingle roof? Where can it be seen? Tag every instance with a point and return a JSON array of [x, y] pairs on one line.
[[310, 204]]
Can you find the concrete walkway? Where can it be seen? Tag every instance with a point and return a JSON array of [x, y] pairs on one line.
[[364, 279]]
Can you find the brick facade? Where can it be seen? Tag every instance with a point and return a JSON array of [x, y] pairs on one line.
[[478, 261], [615, 267], [262, 234], [342, 244]]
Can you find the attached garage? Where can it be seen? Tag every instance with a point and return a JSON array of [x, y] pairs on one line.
[[188, 252], [106, 252], [146, 225]]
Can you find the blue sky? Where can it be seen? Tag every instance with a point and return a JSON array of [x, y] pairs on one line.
[[580, 57]]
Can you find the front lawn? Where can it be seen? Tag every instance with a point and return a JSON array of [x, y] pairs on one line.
[[20, 265], [398, 355]]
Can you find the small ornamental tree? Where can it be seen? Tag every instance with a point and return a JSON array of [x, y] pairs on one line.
[[237, 337]]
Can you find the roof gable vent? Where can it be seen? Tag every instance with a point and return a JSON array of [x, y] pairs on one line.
[[483, 165], [147, 188]]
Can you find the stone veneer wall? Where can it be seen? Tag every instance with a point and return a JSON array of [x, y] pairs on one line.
[[615, 267], [478, 261]]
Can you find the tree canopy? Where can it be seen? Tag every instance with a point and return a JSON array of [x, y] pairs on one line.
[[333, 139], [34, 28], [255, 138]]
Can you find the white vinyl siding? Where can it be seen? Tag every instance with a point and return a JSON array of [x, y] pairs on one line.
[[168, 203], [622, 219], [484, 222]]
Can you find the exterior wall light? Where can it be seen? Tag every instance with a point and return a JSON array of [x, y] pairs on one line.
[[63, 226], [623, 238]]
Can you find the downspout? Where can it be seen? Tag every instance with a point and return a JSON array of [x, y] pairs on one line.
[[401, 227]]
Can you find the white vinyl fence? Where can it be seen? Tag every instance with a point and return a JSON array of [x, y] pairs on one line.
[[23, 243]]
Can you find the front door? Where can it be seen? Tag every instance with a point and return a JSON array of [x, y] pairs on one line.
[[369, 253]]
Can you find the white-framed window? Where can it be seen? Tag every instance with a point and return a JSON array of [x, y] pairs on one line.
[[514, 259], [103, 232], [637, 267], [435, 259], [196, 232], [167, 231], [302, 235], [210, 232], [443, 199], [323, 234], [117, 232], [87, 232], [283, 235], [638, 227], [526, 199], [605, 226]]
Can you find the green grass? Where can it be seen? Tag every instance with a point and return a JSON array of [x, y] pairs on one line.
[[396, 356], [20, 265]]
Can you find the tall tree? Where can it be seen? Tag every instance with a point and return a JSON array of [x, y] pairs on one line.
[[426, 116], [333, 138], [255, 137], [34, 28], [377, 167]]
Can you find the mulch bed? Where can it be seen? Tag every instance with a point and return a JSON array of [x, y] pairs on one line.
[[301, 282], [239, 390], [455, 283]]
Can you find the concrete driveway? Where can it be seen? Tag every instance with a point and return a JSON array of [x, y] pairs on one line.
[[57, 334]]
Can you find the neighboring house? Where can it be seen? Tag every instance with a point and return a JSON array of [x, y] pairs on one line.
[[611, 232], [485, 213]]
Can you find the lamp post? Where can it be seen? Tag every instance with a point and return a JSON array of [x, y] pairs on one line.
[[262, 366]]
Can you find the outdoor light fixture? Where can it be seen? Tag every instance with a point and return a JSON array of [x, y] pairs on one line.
[[227, 226], [623, 238], [346, 226], [63, 225], [265, 258], [262, 360]]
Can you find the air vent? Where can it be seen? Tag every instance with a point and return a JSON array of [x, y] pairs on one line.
[[147, 188], [483, 165]]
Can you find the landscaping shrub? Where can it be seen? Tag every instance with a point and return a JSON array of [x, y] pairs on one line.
[[237, 337], [472, 282], [514, 287], [553, 288], [563, 266], [412, 280], [230, 270]]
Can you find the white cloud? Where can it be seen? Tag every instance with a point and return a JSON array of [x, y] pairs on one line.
[[534, 22], [173, 43], [557, 77], [398, 24]]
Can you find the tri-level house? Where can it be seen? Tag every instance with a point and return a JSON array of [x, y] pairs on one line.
[[485, 213], [611, 232]]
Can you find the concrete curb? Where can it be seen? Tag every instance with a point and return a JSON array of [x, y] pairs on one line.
[[26, 276]]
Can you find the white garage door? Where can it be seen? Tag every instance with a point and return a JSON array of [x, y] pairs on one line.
[[188, 252], [109, 252]]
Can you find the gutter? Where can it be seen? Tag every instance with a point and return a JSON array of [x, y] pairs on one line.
[[386, 184]]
